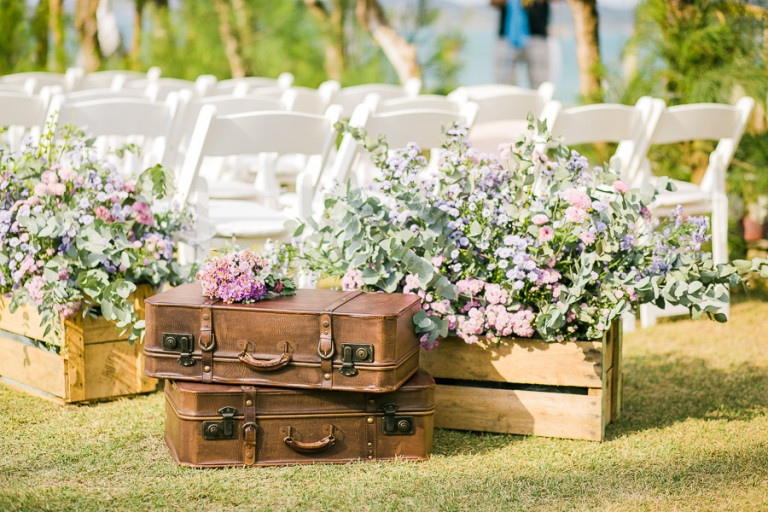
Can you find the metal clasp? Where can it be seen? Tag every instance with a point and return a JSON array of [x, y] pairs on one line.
[[221, 429], [395, 425], [182, 342], [354, 353]]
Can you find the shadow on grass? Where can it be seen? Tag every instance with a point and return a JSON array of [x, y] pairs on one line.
[[462, 442], [660, 390]]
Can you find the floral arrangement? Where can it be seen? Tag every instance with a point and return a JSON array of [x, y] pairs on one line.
[[242, 276], [519, 244], [77, 235]]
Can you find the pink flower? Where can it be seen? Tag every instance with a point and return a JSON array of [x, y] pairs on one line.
[[620, 186], [65, 173], [103, 213], [41, 189], [539, 219], [495, 294], [587, 238], [575, 214], [58, 189], [129, 186], [412, 283], [504, 151], [143, 213], [546, 233], [352, 280], [577, 198], [49, 178]]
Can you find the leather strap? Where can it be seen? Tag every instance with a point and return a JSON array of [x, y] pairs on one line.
[[371, 431], [207, 343], [326, 348], [250, 430]]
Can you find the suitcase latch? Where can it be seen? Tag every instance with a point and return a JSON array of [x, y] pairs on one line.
[[221, 429], [396, 425], [184, 343], [352, 353]]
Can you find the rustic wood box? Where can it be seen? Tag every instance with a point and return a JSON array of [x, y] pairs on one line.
[[525, 386], [94, 362]]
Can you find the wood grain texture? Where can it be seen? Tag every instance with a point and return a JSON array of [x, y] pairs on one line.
[[519, 412], [96, 362], [518, 360]]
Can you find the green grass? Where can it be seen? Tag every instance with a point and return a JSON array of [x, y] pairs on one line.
[[694, 436]]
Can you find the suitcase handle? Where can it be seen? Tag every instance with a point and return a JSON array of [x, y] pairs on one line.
[[268, 365], [312, 447]]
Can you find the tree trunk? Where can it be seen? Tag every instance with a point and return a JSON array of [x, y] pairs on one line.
[[400, 53], [232, 46], [138, 22], [57, 36], [40, 26], [87, 29], [333, 21], [585, 21]]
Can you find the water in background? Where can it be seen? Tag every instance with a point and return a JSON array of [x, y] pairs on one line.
[[479, 23]]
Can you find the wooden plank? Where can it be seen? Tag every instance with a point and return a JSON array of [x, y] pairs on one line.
[[519, 412], [74, 357], [518, 360], [25, 321], [114, 369], [32, 367], [617, 388]]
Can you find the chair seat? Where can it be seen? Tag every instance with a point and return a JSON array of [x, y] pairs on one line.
[[690, 196], [231, 189], [247, 219]]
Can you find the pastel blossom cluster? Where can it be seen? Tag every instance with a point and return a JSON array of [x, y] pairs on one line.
[[73, 229], [524, 243], [241, 276]]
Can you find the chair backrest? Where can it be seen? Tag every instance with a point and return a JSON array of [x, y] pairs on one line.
[[247, 84], [630, 126], [252, 133], [351, 96], [225, 105], [422, 101], [141, 121], [110, 79], [160, 88], [305, 99], [67, 81], [706, 121], [22, 114], [502, 111], [422, 126]]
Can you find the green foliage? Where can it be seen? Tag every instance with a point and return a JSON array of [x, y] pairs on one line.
[[14, 35], [76, 235]]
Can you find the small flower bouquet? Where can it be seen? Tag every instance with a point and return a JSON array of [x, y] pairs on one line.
[[519, 244], [242, 276], [77, 235]]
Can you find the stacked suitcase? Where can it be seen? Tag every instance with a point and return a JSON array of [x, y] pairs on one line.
[[320, 376]]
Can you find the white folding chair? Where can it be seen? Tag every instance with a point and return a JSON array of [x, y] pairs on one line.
[[628, 125], [67, 81], [424, 127], [227, 178], [22, 115], [112, 121], [351, 96], [243, 221], [502, 111], [249, 84], [422, 101], [699, 121]]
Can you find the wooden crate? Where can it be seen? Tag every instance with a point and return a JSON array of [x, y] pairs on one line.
[[94, 361], [524, 386]]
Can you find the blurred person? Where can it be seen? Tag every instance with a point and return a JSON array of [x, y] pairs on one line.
[[523, 38]]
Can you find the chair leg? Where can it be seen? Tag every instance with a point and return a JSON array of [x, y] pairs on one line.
[[720, 228]]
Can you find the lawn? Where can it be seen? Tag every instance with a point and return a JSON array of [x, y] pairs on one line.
[[693, 436]]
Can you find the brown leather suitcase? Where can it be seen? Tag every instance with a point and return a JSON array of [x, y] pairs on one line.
[[214, 425], [322, 339]]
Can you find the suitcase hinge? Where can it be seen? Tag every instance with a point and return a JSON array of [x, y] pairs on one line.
[[184, 343], [396, 425], [221, 429], [354, 353]]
